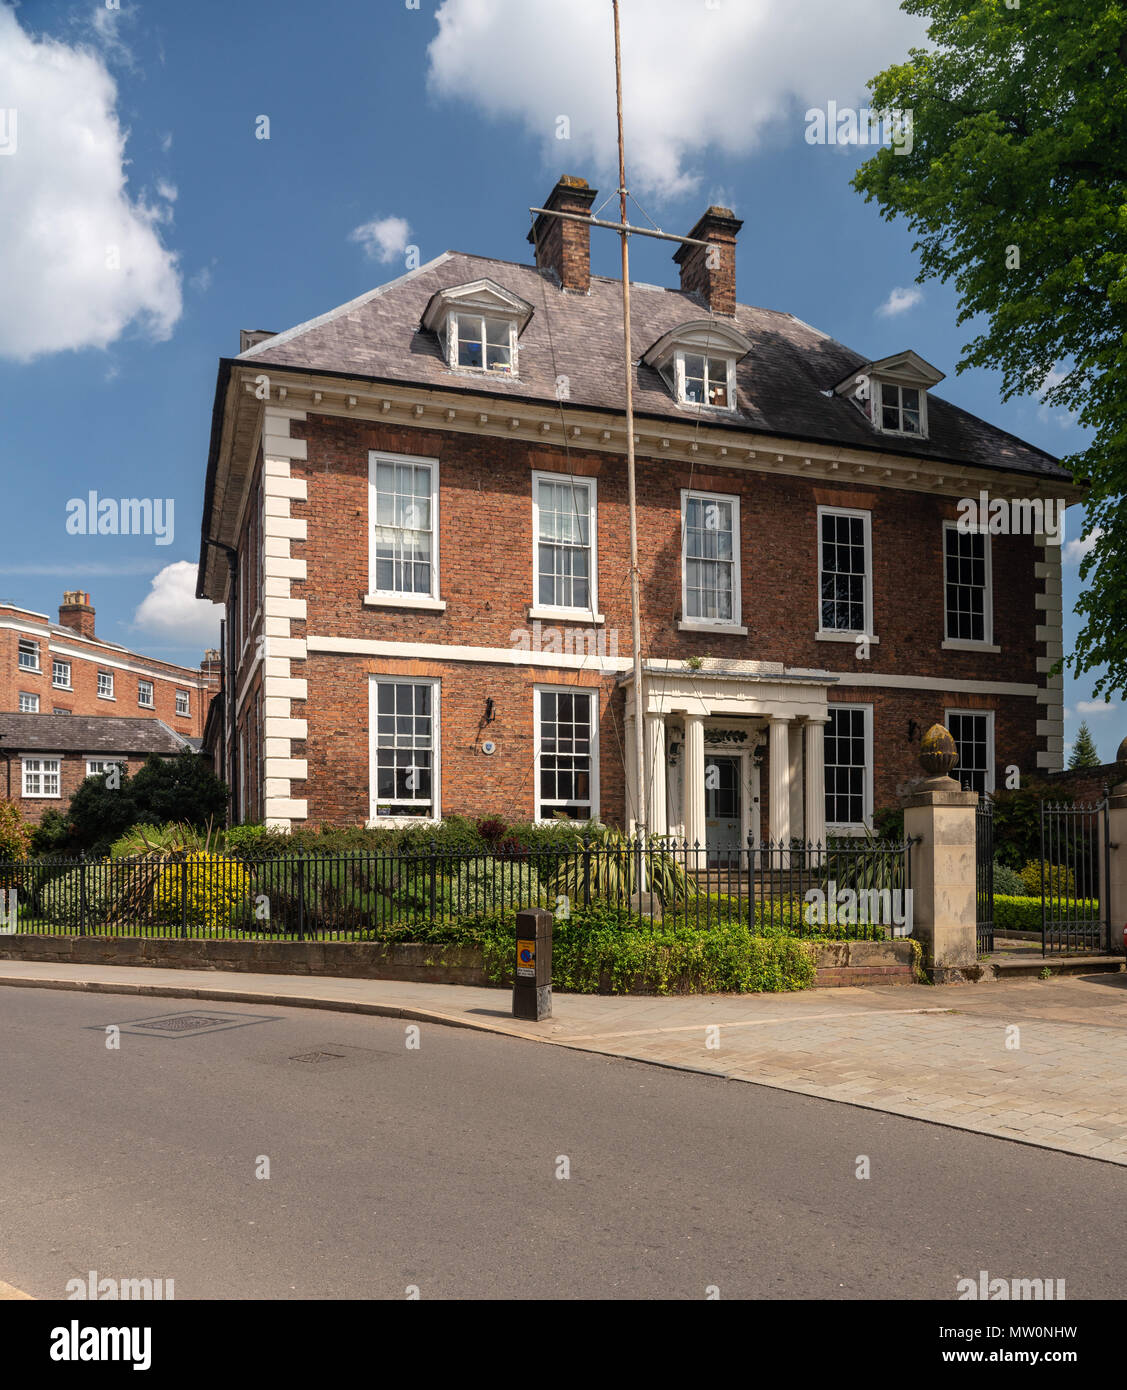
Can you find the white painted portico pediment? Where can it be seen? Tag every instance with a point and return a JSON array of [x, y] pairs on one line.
[[733, 688]]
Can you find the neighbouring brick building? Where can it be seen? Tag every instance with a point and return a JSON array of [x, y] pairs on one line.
[[416, 515], [44, 758], [64, 668]]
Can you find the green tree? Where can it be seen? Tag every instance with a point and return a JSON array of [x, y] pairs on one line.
[[1016, 187], [182, 789], [1084, 752]]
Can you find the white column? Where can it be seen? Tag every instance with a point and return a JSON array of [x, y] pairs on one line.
[[797, 822], [694, 780], [656, 775], [778, 753], [816, 780], [631, 776]]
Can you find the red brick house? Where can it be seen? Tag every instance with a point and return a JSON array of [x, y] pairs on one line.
[[44, 758], [65, 668], [416, 515]]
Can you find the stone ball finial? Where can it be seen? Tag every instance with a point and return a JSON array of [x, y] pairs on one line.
[[938, 754]]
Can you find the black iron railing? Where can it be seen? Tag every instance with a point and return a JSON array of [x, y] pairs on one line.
[[842, 888]]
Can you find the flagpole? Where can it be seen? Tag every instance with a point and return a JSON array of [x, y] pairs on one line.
[[635, 618]]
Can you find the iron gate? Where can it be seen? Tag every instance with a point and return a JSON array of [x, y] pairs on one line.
[[1075, 876], [984, 874]]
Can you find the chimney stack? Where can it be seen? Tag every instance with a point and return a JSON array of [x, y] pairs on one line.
[[76, 612], [561, 244], [211, 668], [710, 271]]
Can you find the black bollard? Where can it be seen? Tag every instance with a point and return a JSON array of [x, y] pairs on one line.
[[532, 971]]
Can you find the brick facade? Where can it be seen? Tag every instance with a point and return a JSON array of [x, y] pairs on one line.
[[86, 657], [72, 773], [486, 492]]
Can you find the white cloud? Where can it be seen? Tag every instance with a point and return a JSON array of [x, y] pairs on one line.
[[383, 240], [172, 610], [201, 280], [65, 211], [1094, 707], [899, 302], [534, 61], [1074, 551]]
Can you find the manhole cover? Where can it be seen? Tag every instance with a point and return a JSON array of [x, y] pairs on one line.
[[188, 1024], [318, 1057], [184, 1023]]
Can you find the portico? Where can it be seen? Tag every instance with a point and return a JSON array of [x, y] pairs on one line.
[[708, 732]]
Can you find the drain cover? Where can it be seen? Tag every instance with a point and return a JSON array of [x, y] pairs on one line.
[[318, 1057]]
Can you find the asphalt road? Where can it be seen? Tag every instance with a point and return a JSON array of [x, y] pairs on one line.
[[437, 1167]]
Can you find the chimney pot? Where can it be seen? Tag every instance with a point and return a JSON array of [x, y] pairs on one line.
[[710, 271], [561, 244]]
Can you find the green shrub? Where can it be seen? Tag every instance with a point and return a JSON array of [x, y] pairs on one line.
[[482, 884], [60, 898], [52, 836], [1059, 880], [605, 947], [1024, 914], [1008, 882]]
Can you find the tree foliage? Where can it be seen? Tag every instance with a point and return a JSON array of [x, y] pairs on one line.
[[1016, 187]]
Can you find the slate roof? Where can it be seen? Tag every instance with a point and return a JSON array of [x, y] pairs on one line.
[[782, 384], [86, 733]]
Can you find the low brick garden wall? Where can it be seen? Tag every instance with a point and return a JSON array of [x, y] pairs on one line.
[[839, 963]]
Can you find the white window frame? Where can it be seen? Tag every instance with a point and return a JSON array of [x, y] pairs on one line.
[[841, 634], [593, 695], [690, 624], [374, 817], [31, 696], [102, 695], [857, 827], [679, 371], [988, 715], [98, 767], [877, 416], [183, 697], [150, 703], [390, 598], [967, 643], [56, 664], [42, 768], [21, 652], [452, 337], [541, 610]]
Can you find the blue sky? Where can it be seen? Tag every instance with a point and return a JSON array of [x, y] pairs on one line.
[[137, 130]]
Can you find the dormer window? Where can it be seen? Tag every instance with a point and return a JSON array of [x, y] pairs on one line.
[[899, 408], [478, 342], [478, 326], [697, 361], [706, 380], [892, 393]]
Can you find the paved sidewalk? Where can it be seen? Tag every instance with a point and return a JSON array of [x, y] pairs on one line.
[[946, 1055]]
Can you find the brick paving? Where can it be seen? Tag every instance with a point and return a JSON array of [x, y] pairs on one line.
[[1043, 1062]]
